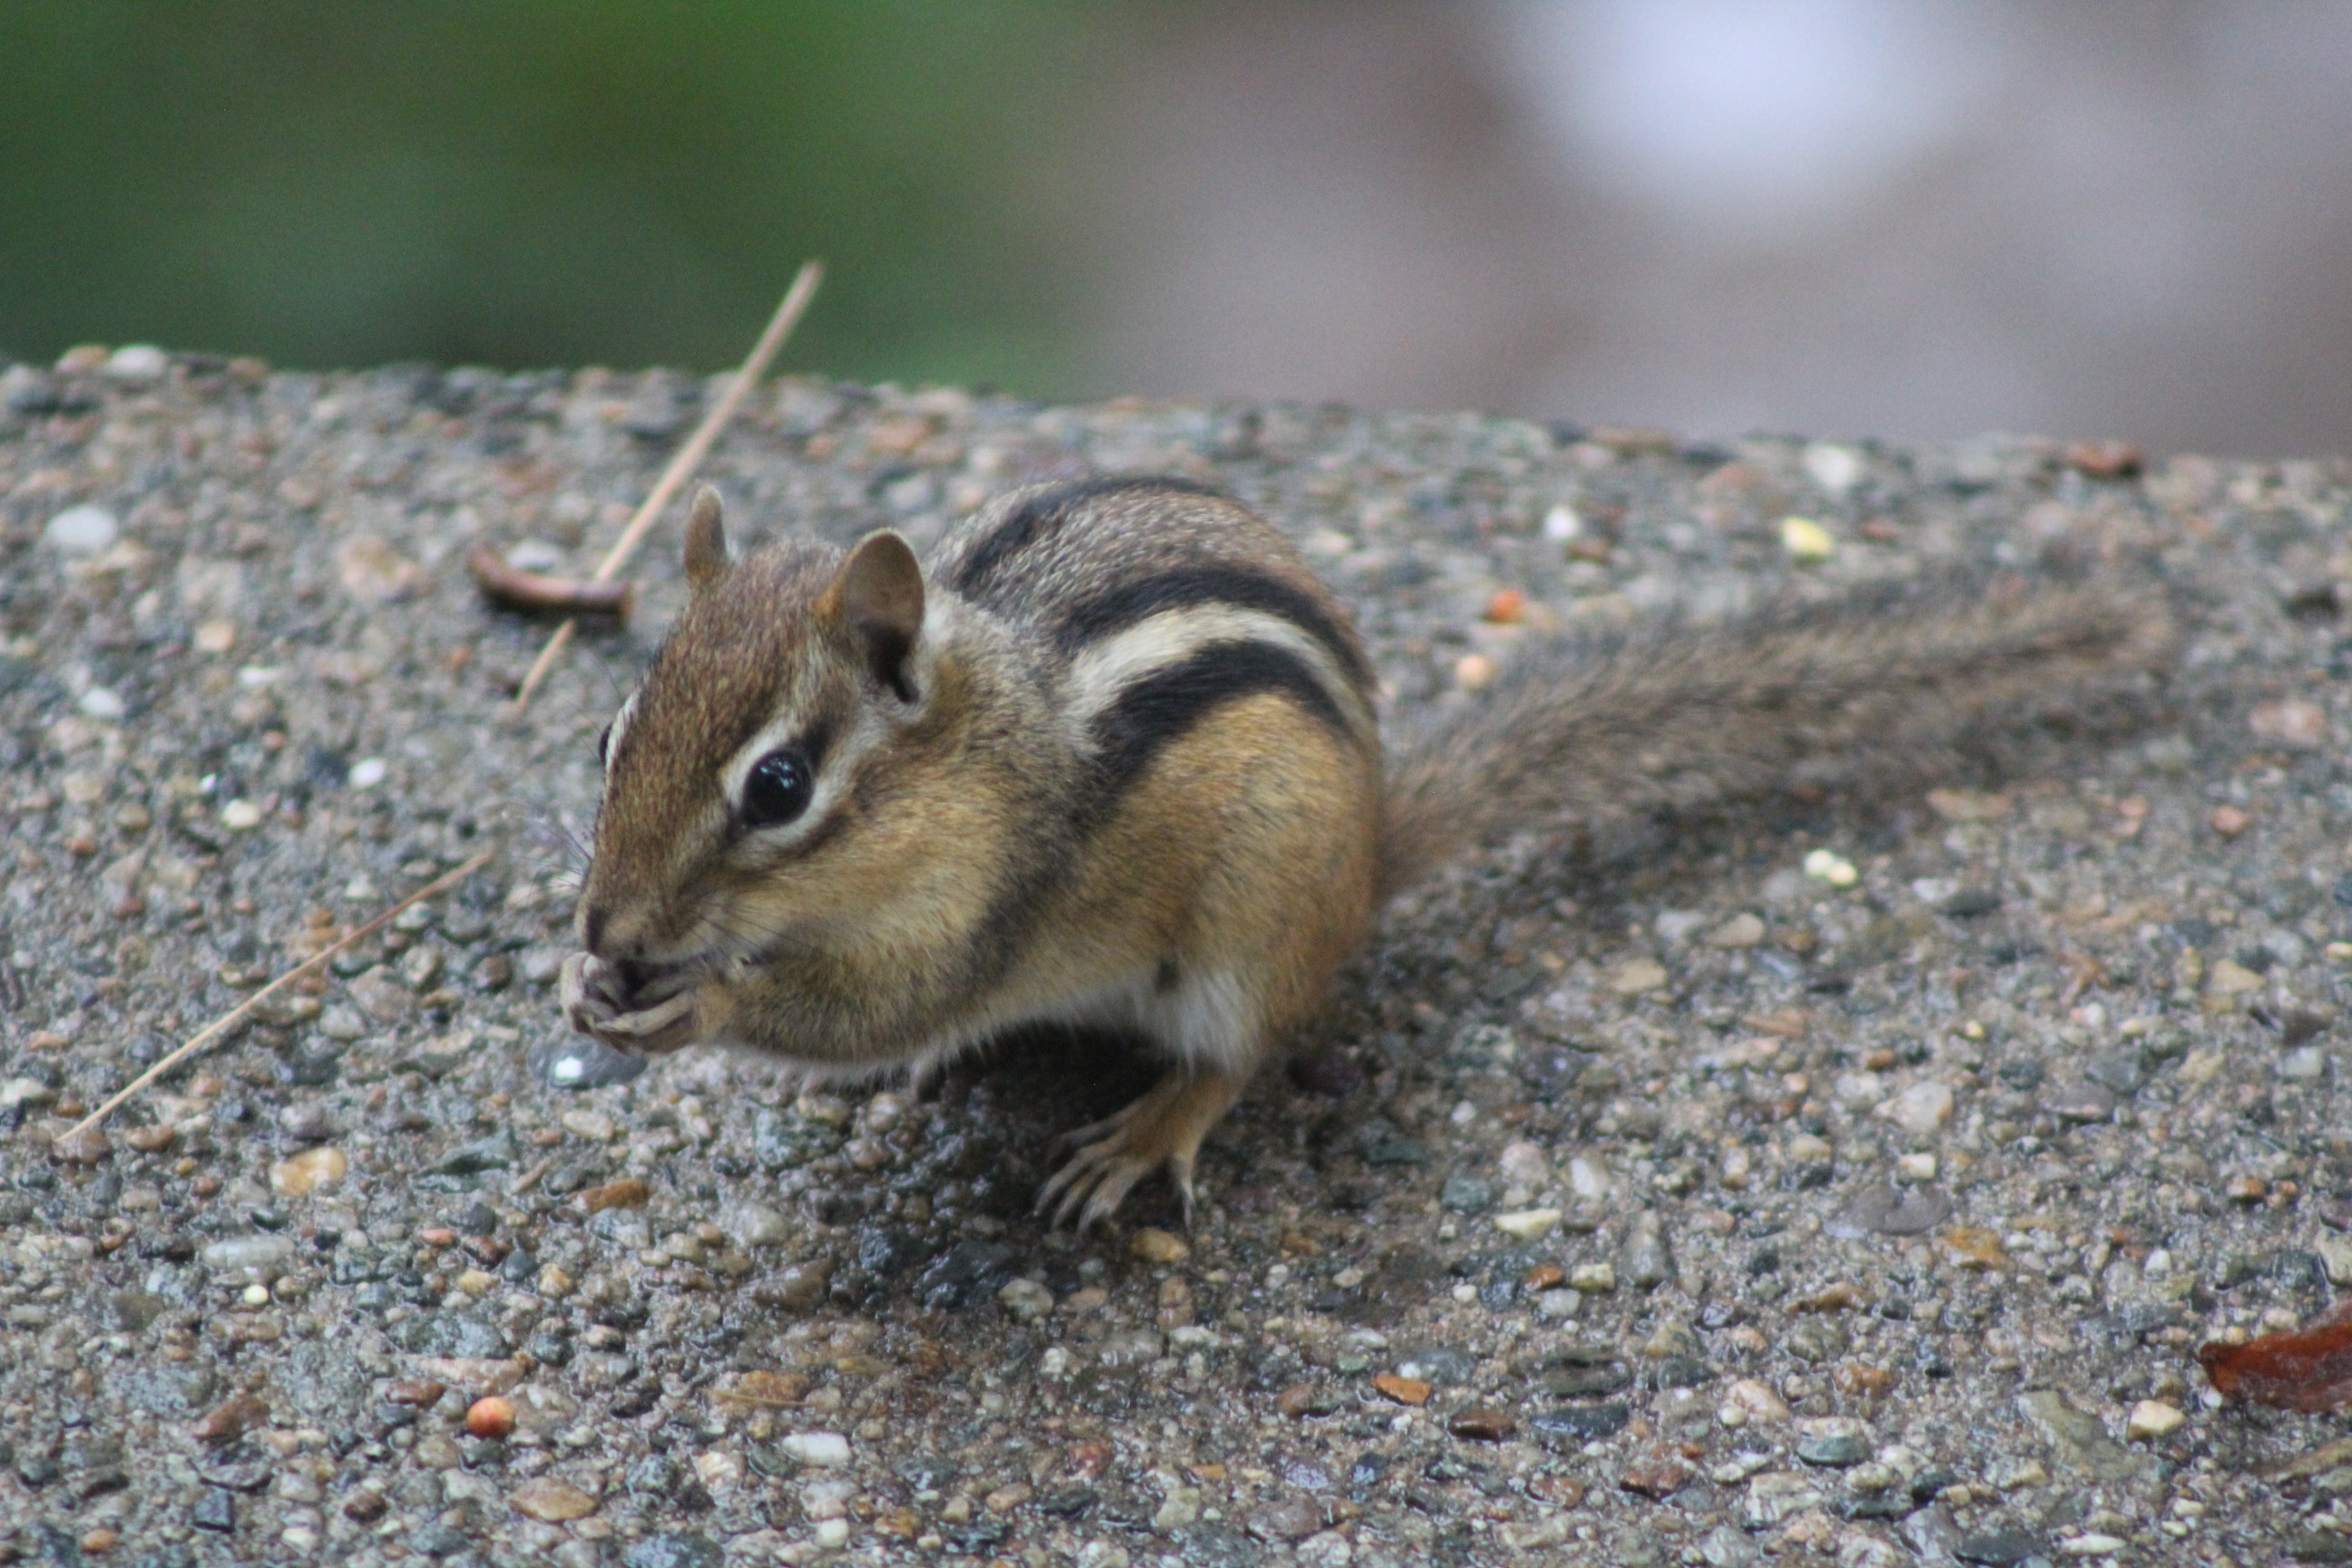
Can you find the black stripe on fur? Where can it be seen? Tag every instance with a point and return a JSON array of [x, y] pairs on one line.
[[1164, 705], [1043, 514], [1130, 603]]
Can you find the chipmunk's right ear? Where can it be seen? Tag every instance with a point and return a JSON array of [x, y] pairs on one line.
[[706, 542], [878, 598]]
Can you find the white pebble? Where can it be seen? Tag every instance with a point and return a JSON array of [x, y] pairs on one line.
[[1026, 1300], [593, 1125], [1828, 866], [755, 1225], [101, 704], [136, 362], [1562, 523], [81, 530], [1592, 1279], [822, 1501], [1806, 540], [240, 816], [833, 1533], [1835, 469], [828, 1449], [2304, 1064], [1527, 1225], [1674, 925], [258, 1253], [1525, 1162], [367, 773], [1588, 1179], [1919, 1110]]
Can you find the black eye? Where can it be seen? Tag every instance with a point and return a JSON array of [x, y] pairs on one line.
[[778, 789]]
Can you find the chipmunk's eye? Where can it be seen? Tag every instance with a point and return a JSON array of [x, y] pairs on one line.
[[777, 790]]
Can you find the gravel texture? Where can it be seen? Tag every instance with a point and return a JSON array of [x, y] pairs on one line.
[[1838, 1179]]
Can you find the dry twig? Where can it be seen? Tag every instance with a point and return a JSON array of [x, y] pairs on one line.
[[682, 467], [311, 965]]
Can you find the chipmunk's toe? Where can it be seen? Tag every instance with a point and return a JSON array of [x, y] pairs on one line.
[[1164, 1127]]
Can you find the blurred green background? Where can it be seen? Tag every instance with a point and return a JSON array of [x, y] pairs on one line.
[[518, 182], [1847, 217]]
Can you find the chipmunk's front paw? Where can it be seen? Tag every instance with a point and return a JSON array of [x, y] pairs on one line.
[[596, 1004]]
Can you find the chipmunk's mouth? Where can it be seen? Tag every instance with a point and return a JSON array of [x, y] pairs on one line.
[[633, 987]]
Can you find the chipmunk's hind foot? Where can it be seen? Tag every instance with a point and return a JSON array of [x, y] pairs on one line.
[[1165, 1127]]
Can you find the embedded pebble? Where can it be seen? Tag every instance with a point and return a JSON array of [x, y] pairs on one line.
[[1757, 1401], [1637, 977], [1826, 866], [2292, 721], [137, 363], [1592, 1279], [82, 531], [1741, 930], [552, 1501], [1528, 1225], [299, 1175], [1026, 1300], [593, 1125], [489, 1416], [755, 1225], [1648, 1261], [825, 1449], [1806, 540], [1834, 1442], [1921, 1110], [1155, 1246], [373, 572], [253, 1253]]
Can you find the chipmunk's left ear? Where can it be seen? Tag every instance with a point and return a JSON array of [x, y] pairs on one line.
[[706, 542], [877, 598]]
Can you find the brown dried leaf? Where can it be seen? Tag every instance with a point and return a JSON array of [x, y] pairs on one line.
[[2307, 1369]]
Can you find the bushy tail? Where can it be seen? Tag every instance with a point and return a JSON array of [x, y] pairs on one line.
[[1678, 714]]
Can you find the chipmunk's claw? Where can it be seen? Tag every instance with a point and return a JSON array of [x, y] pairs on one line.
[[1164, 1127]]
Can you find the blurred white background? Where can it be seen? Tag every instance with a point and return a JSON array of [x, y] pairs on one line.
[[1913, 218]]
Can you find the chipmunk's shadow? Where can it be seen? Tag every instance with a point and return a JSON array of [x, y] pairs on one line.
[[1026, 1090]]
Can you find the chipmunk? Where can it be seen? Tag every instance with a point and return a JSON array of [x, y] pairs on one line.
[[1114, 758]]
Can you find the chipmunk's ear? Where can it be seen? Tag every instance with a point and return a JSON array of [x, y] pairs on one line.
[[877, 598], [706, 542]]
